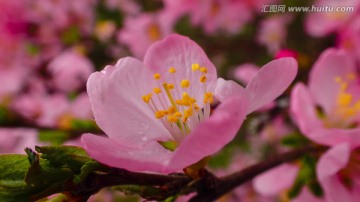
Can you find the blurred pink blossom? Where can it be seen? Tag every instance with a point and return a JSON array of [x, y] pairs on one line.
[[70, 70], [15, 140], [273, 32], [321, 23], [334, 87], [140, 31]]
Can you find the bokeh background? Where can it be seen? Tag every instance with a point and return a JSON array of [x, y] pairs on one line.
[[48, 49]]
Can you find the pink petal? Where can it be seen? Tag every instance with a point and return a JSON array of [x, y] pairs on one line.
[[307, 196], [212, 134], [331, 64], [303, 109], [181, 52], [151, 157], [227, 88], [328, 166], [116, 99], [276, 180], [271, 81]]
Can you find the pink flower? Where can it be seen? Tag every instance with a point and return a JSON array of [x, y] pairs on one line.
[[229, 16], [141, 31], [349, 37], [338, 173], [323, 22], [70, 70], [15, 140], [276, 180], [273, 32], [44, 110], [334, 87], [286, 53], [166, 99]]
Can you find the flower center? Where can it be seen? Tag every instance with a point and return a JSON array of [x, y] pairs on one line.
[[174, 106], [351, 172], [346, 107]]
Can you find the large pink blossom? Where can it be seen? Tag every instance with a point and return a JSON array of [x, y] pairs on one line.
[[334, 87], [166, 99]]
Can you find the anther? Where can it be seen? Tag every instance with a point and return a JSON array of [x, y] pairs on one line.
[[203, 79], [147, 98], [157, 76], [185, 83], [195, 67], [204, 70], [157, 90], [172, 70]]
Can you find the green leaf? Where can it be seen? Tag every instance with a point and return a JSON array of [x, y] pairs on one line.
[[13, 168], [306, 177], [85, 170], [64, 156], [294, 140]]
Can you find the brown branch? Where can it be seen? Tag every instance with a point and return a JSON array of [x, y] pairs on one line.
[[228, 183]]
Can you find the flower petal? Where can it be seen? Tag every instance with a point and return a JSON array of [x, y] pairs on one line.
[[331, 64], [327, 168], [181, 52], [152, 157], [227, 88], [212, 134], [284, 176], [116, 99], [303, 109], [271, 81]]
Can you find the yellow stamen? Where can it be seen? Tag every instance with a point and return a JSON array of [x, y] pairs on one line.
[[185, 83], [203, 79], [204, 70], [171, 86], [147, 98], [344, 99], [168, 93], [157, 90], [195, 67], [171, 110], [208, 98], [157, 76], [172, 70], [172, 118], [159, 114], [187, 113], [178, 114]]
